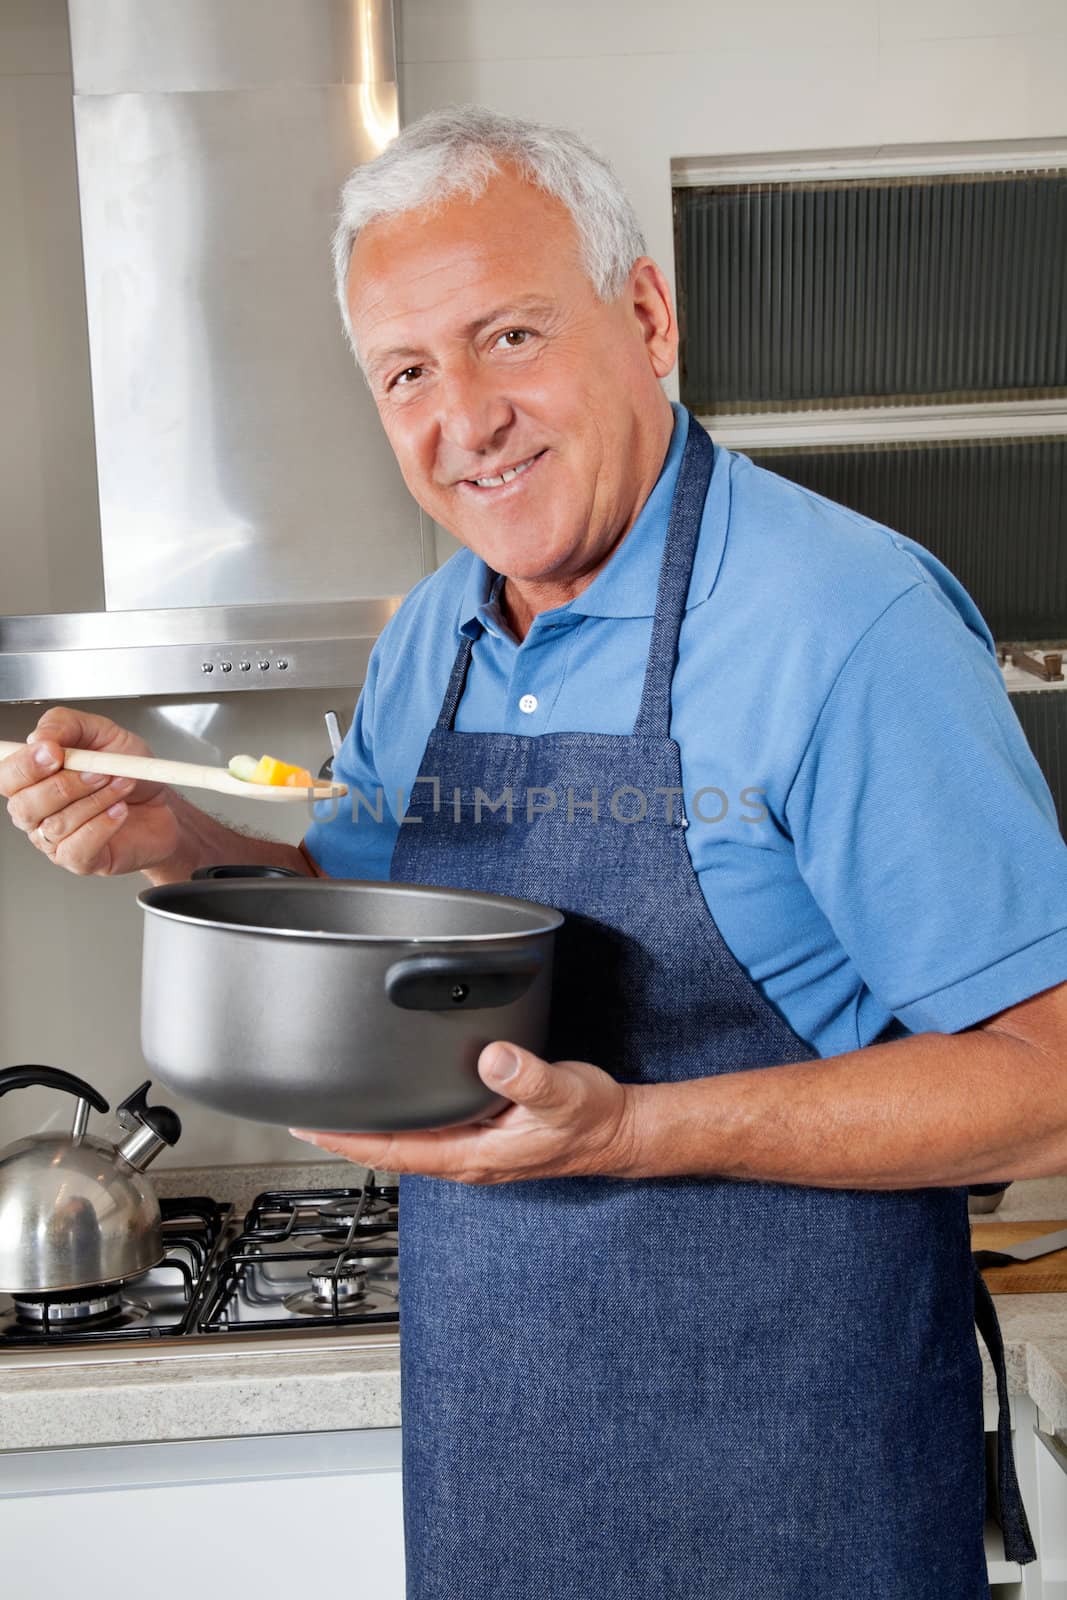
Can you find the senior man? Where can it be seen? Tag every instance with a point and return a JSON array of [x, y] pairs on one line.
[[693, 1319]]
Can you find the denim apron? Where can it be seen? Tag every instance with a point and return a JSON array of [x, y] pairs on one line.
[[669, 1389]]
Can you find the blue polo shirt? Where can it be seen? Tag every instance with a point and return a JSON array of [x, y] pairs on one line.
[[869, 827]]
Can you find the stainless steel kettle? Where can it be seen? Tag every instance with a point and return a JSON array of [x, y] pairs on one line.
[[75, 1210]]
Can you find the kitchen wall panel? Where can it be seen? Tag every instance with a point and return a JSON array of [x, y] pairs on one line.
[[603, 30], [49, 523], [908, 20], [34, 38], [694, 77], [963, 88]]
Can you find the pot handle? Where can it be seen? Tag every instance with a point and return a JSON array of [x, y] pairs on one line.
[[241, 871], [448, 982], [51, 1078]]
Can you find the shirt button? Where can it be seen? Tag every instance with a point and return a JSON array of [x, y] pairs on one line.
[[528, 702]]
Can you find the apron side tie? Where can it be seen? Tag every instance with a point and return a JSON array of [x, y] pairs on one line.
[[1018, 1540]]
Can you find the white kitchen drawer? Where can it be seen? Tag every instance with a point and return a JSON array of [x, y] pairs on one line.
[[218, 1518], [1052, 1515]]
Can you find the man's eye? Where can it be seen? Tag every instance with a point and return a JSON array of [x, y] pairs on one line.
[[408, 375], [513, 338]]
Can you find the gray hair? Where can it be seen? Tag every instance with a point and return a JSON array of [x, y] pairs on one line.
[[458, 151]]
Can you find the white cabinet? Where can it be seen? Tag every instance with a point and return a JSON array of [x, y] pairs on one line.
[[1041, 1462], [284, 1514], [1051, 1500]]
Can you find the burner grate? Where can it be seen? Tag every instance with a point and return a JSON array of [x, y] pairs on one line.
[[282, 1214], [343, 1237]]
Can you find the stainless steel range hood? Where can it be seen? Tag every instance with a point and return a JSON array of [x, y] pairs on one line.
[[255, 530]]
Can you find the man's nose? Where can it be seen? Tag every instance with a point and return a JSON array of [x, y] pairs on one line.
[[475, 413]]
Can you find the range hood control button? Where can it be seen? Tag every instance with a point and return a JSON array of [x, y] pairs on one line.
[[262, 665], [227, 666], [282, 665], [207, 666], [245, 666]]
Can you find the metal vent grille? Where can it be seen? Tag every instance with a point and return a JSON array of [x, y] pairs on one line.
[[860, 292], [1044, 720], [993, 510]]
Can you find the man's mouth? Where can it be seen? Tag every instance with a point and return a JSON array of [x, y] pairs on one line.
[[506, 475]]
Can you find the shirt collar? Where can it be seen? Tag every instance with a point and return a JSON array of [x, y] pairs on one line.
[[627, 585]]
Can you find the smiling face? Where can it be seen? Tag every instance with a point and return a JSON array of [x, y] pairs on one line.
[[526, 414]]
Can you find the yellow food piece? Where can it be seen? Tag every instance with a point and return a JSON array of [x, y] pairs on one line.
[[281, 774]]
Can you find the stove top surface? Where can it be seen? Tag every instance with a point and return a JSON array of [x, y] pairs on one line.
[[302, 1268]]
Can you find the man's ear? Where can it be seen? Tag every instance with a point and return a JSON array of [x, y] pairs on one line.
[[650, 297]]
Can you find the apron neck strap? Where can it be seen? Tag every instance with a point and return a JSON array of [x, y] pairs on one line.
[[676, 569], [449, 705]]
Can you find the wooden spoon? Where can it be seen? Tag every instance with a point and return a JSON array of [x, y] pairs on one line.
[[185, 774]]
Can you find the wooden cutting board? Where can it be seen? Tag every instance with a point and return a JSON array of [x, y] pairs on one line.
[[1046, 1275]]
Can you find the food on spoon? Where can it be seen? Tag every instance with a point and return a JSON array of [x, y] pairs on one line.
[[279, 774], [243, 767]]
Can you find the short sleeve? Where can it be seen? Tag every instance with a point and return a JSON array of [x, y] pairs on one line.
[[924, 827], [354, 837]]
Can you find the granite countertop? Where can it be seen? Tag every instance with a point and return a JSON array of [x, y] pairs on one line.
[[353, 1385]]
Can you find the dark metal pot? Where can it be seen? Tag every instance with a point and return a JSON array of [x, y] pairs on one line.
[[321, 1003]]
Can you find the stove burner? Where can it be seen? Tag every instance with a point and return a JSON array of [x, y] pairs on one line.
[[106, 1306], [338, 1215], [336, 1223], [348, 1280]]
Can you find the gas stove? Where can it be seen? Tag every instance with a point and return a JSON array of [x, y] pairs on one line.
[[303, 1267]]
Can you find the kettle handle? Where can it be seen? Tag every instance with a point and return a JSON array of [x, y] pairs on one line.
[[51, 1078]]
